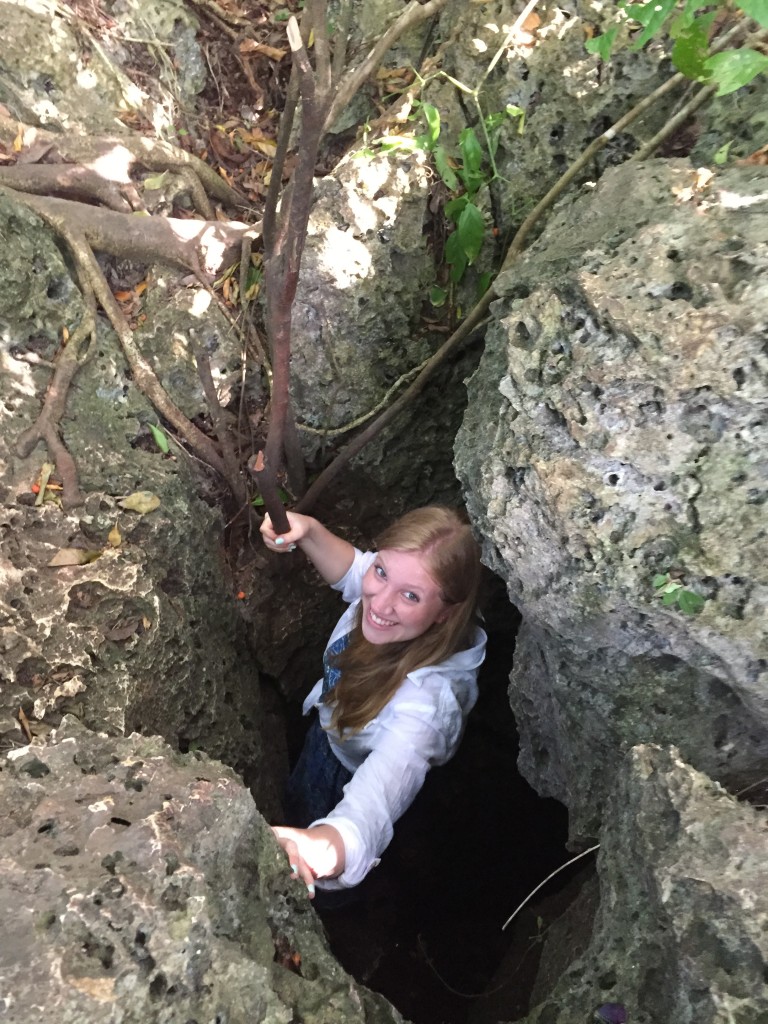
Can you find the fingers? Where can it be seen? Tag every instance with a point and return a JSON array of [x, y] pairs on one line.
[[300, 870], [283, 542]]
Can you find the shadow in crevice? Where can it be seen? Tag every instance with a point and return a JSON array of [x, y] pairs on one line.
[[426, 932]]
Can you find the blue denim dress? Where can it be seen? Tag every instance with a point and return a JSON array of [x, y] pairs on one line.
[[317, 782]]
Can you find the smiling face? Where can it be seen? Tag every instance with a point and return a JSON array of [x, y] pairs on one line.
[[400, 599]]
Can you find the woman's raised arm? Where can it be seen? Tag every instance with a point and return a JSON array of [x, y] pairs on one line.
[[329, 554]]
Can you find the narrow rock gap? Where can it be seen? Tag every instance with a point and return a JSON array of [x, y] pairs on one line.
[[427, 931]]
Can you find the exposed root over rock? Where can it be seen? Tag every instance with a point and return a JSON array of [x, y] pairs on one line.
[[204, 247]]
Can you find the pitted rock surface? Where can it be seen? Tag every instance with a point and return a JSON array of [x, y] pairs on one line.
[[357, 331], [617, 430], [141, 886], [148, 636], [681, 933]]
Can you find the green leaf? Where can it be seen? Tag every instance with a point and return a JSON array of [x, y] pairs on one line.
[[721, 156], [660, 579], [733, 69], [472, 181], [685, 18], [281, 15], [455, 256], [471, 150], [471, 231], [602, 45], [156, 182], [455, 207], [671, 586], [160, 439], [483, 284], [458, 269], [691, 49], [757, 9], [651, 16], [514, 111], [258, 501], [437, 296], [670, 598], [392, 143], [444, 168], [494, 121], [432, 117], [689, 602]]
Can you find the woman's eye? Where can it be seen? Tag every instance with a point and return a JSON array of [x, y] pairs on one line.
[[410, 596], [380, 572]]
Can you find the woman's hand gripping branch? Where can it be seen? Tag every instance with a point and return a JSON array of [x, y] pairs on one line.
[[329, 554], [312, 852]]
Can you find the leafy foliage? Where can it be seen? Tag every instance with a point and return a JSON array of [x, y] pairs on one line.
[[463, 179], [689, 24], [672, 592]]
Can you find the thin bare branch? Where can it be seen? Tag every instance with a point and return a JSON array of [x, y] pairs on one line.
[[413, 15]]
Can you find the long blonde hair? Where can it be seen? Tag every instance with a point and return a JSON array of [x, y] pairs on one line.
[[371, 673]]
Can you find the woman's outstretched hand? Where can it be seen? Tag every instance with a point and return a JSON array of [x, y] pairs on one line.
[[329, 554], [312, 852], [299, 529]]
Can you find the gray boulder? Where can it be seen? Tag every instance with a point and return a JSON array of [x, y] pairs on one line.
[[616, 431], [141, 886], [680, 934]]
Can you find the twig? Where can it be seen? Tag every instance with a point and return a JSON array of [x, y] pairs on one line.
[[752, 785], [264, 476], [552, 874], [341, 38], [219, 423], [143, 374], [287, 239], [476, 315], [413, 15], [329, 432], [447, 349], [701, 97]]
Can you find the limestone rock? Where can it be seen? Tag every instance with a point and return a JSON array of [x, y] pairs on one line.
[[148, 636], [59, 71], [617, 430], [680, 934], [356, 333], [140, 886]]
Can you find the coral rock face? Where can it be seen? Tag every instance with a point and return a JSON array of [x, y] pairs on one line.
[[681, 933], [142, 886], [617, 431]]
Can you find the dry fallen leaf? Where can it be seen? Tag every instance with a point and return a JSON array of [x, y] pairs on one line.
[[760, 157], [140, 501], [114, 537], [122, 629], [251, 46], [73, 556], [24, 722]]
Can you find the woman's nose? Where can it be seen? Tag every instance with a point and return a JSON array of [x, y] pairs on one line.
[[384, 600]]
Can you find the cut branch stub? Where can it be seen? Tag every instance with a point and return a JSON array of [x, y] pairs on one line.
[[264, 476]]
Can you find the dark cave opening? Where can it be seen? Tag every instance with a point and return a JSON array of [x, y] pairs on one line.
[[426, 931]]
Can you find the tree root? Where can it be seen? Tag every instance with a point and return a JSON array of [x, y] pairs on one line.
[[94, 284], [73, 181], [45, 427], [114, 157], [197, 246]]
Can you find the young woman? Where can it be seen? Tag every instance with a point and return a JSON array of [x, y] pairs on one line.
[[400, 678]]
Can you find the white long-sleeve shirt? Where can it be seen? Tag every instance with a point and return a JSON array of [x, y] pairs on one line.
[[420, 726]]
